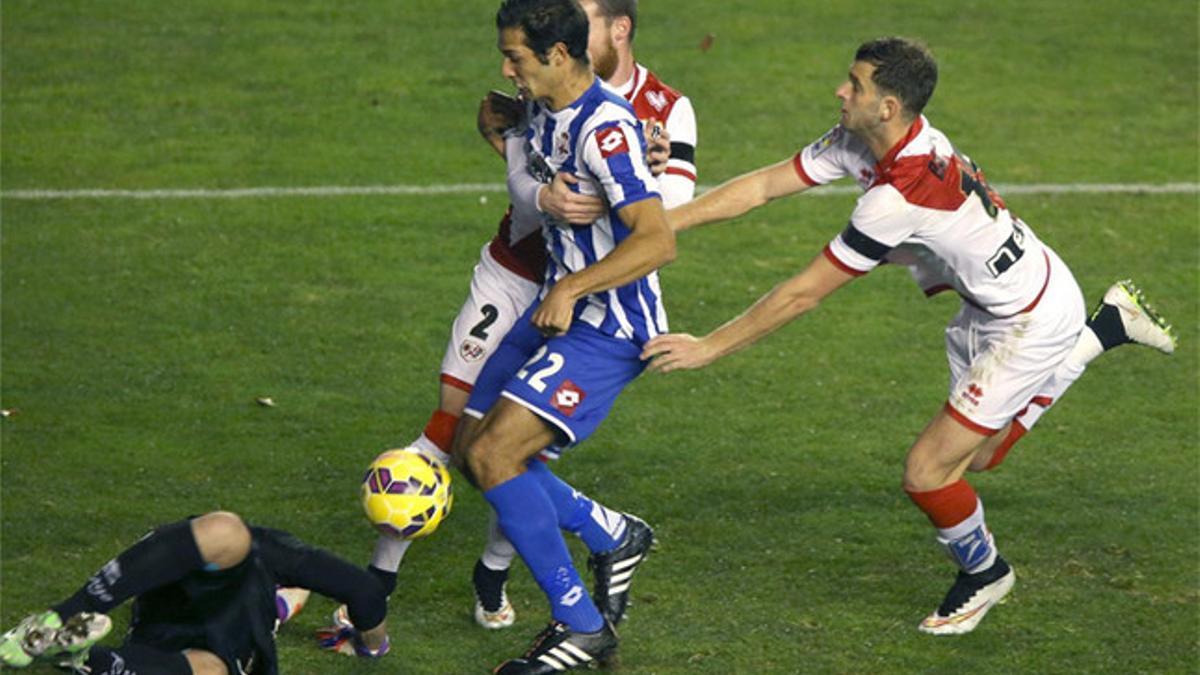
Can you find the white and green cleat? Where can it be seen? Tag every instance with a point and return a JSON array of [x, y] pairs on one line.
[[45, 636], [1142, 323]]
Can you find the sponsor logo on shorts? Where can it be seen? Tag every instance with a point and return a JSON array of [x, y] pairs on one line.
[[472, 350], [973, 393], [567, 398]]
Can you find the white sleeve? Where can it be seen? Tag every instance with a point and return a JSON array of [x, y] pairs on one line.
[[522, 186], [881, 220], [678, 183], [613, 155], [824, 160]]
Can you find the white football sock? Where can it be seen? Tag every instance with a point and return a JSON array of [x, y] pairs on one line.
[[499, 552], [389, 551], [431, 449]]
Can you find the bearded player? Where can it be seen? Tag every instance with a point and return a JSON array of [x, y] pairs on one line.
[[1019, 341]]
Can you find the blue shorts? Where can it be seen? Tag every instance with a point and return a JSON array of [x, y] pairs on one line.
[[571, 381]]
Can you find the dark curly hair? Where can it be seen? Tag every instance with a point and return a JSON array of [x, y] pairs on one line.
[[546, 23], [904, 68]]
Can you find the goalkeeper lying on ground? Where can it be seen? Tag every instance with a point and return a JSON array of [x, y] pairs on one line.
[[204, 603]]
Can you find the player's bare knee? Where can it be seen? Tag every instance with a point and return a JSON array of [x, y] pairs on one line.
[[487, 463], [922, 471], [205, 662], [222, 537]]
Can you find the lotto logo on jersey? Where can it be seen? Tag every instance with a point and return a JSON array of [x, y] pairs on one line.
[[611, 142], [567, 398]]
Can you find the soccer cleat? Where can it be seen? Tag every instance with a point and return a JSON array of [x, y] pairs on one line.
[[341, 617], [289, 600], [28, 639], [1141, 322], [969, 599], [613, 570], [492, 608], [558, 648], [46, 635], [346, 640], [76, 637]]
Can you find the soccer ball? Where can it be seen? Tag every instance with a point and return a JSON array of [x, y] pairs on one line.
[[406, 494]]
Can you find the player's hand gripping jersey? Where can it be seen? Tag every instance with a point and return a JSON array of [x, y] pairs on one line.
[[929, 208], [599, 140]]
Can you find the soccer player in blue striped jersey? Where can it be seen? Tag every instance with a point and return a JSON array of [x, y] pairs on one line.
[[561, 367]]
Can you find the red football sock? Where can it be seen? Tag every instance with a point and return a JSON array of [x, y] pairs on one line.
[[440, 429], [1014, 434], [946, 506]]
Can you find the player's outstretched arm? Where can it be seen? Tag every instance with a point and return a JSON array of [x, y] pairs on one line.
[[650, 246], [738, 196], [785, 302]]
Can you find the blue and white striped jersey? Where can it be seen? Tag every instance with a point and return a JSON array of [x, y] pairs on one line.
[[598, 138]]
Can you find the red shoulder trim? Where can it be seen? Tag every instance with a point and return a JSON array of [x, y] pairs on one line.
[[927, 180], [652, 98]]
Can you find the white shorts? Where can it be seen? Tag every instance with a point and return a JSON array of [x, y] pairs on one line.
[[998, 365], [497, 299]]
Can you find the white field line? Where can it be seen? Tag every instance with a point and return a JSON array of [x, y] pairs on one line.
[[478, 188]]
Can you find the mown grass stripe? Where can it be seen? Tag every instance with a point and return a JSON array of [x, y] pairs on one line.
[[469, 188]]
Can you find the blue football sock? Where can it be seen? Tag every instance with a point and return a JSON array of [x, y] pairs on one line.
[[602, 529], [528, 518]]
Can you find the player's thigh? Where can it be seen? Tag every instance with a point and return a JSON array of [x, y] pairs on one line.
[[518, 346], [573, 380], [941, 453], [496, 301], [507, 436]]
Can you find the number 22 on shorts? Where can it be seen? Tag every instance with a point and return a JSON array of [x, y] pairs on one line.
[[537, 380]]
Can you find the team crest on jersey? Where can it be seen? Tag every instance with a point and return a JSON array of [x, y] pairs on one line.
[[472, 350], [823, 143], [611, 142], [656, 99], [567, 398]]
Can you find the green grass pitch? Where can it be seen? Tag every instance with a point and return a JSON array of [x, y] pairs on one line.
[[137, 333]]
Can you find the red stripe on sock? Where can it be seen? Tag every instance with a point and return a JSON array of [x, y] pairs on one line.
[[440, 429], [946, 506], [1014, 434]]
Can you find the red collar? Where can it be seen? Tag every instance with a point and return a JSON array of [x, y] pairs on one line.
[[890, 158], [636, 76]]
